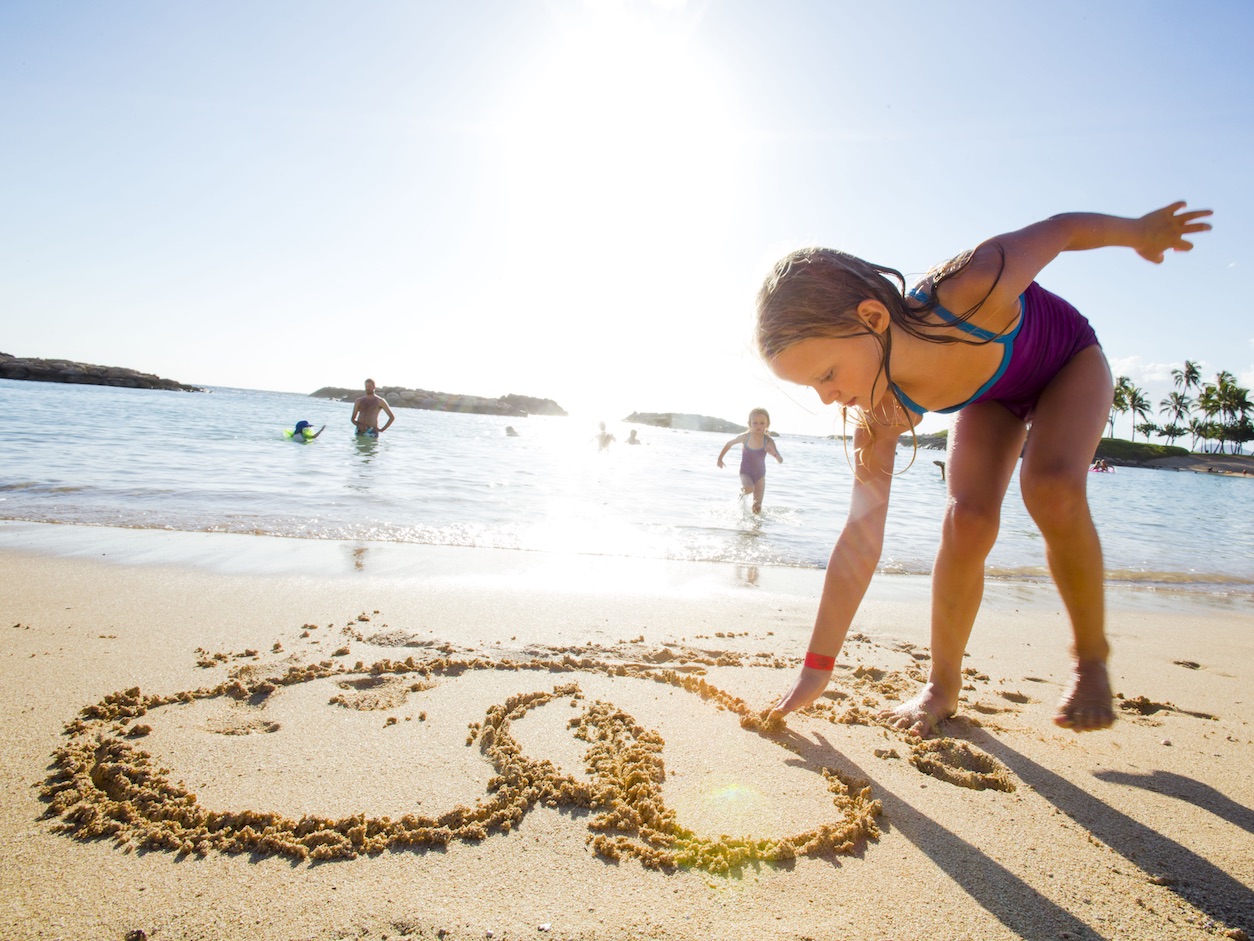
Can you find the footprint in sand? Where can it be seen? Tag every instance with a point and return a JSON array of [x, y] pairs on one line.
[[378, 693], [961, 763], [1144, 706]]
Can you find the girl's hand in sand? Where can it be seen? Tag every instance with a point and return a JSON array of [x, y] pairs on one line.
[[1164, 230], [809, 686]]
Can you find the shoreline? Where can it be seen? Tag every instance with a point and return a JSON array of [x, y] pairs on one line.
[[1200, 462], [416, 563], [274, 696], [1228, 465]]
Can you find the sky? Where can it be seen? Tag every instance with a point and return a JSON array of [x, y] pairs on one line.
[[578, 200]]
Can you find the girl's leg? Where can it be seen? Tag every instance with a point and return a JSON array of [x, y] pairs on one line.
[[1066, 428], [984, 446], [759, 490], [746, 484]]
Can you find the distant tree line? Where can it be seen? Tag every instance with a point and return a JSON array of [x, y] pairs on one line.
[[1219, 414]]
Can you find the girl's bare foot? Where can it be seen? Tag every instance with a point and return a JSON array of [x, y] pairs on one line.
[[921, 715], [1086, 706]]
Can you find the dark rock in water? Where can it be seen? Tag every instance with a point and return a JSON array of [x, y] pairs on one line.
[[63, 370], [686, 422], [534, 406], [936, 442], [515, 406]]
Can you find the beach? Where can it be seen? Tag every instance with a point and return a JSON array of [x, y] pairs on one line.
[[1230, 465], [469, 743]]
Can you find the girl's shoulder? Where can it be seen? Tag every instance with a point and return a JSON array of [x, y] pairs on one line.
[[968, 286]]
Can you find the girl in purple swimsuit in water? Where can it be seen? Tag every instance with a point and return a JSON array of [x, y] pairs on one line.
[[757, 445], [1023, 370]]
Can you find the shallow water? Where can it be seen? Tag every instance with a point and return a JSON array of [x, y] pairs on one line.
[[218, 462]]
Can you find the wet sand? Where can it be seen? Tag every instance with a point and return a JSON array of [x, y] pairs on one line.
[[236, 737]]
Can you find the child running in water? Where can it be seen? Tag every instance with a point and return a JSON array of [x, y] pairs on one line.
[[977, 336], [757, 444]]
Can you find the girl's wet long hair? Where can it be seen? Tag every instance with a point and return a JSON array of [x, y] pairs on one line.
[[815, 292]]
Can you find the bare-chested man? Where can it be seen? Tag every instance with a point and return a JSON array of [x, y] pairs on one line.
[[366, 412]]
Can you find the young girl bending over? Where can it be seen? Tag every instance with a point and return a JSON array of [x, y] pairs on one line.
[[977, 336], [757, 445]]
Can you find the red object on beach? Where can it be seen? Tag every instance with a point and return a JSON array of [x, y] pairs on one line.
[[816, 661]]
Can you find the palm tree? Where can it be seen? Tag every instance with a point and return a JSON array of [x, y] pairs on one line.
[[1234, 406], [1245, 416], [1123, 386], [1208, 403], [1197, 427], [1176, 407], [1243, 432], [1188, 376], [1173, 431], [1139, 406]]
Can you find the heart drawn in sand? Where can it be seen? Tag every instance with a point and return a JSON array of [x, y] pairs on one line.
[[105, 786]]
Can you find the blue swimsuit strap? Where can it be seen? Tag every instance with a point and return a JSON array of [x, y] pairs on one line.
[[1007, 340]]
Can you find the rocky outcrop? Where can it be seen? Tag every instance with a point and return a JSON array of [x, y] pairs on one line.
[[936, 442], [515, 406], [63, 370], [686, 422]]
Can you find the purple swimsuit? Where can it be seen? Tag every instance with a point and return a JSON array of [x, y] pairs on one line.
[[1049, 333], [753, 461]]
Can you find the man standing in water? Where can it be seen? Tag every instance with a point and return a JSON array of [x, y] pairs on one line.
[[366, 412]]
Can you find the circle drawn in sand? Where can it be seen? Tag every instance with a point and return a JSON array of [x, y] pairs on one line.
[[103, 786], [961, 763]]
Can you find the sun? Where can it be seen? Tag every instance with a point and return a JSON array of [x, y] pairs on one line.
[[620, 167], [622, 145]]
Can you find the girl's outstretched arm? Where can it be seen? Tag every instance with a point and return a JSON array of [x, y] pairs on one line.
[[739, 439], [1008, 263], [852, 564], [1151, 236]]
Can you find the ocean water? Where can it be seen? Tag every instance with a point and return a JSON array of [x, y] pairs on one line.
[[219, 462]]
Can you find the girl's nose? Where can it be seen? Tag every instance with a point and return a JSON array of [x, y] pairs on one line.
[[826, 394]]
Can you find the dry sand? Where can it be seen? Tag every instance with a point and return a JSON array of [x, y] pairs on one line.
[[1230, 465], [464, 744]]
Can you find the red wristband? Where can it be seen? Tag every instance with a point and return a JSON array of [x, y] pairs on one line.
[[816, 661]]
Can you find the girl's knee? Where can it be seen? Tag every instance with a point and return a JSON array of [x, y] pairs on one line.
[[971, 526], [1054, 498]]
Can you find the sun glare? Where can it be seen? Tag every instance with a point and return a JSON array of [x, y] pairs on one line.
[[621, 148]]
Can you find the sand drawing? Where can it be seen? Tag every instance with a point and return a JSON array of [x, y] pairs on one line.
[[105, 785]]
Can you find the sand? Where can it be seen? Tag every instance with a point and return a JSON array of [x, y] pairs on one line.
[[236, 737], [1229, 465]]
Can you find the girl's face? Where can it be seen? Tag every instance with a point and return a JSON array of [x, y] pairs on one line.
[[843, 370], [758, 424]]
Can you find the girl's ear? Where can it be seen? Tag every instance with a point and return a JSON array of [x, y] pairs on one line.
[[874, 315]]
